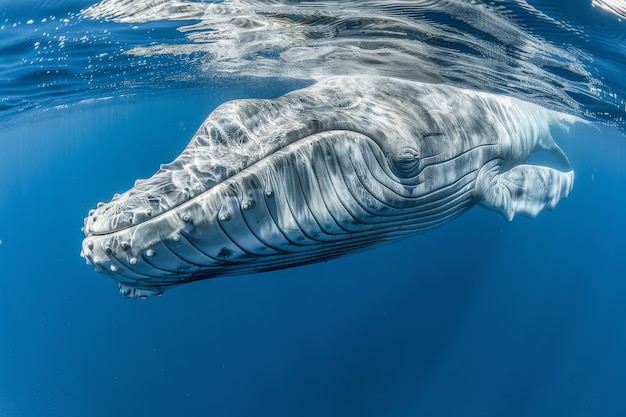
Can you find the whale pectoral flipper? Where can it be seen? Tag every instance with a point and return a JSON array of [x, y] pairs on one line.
[[524, 189]]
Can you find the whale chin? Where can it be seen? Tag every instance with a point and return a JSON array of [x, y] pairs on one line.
[[341, 166]]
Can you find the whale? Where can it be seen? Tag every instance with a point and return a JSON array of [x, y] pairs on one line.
[[343, 165]]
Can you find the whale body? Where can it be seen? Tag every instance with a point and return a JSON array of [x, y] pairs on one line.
[[343, 165]]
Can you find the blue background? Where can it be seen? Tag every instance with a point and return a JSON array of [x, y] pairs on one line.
[[479, 317]]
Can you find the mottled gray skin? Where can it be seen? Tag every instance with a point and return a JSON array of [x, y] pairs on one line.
[[345, 164]]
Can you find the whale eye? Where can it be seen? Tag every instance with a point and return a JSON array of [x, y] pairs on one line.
[[408, 154], [406, 162]]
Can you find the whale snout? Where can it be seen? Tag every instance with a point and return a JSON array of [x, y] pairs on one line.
[[124, 240], [174, 184], [116, 215]]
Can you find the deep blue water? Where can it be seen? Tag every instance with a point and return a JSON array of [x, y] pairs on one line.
[[479, 317]]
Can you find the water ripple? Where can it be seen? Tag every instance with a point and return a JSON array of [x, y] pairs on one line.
[[551, 56]]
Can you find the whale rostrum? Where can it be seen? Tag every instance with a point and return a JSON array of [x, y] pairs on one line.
[[337, 167]]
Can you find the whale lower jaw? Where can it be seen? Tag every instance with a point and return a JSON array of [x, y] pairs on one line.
[[326, 195]]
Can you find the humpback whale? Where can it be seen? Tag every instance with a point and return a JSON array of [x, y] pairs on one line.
[[340, 166]]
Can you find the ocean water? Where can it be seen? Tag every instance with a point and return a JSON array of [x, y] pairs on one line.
[[479, 317]]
